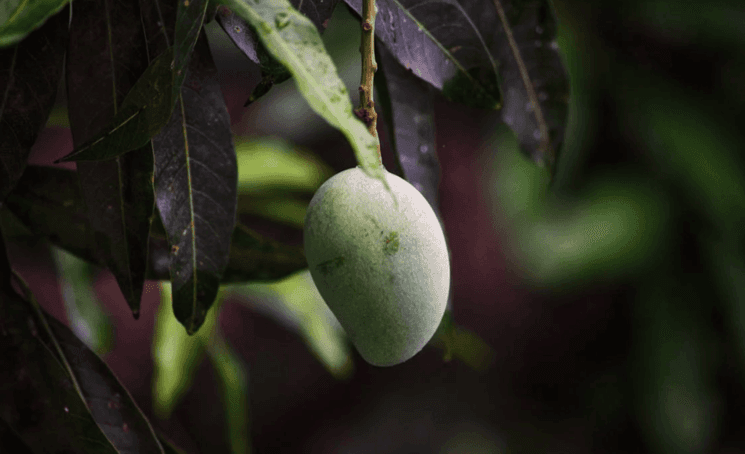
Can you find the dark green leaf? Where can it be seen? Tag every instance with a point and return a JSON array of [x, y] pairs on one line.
[[294, 41], [10, 441], [62, 398], [5, 270], [409, 113], [256, 258], [469, 45], [169, 447], [196, 189], [244, 37], [29, 77], [47, 200], [144, 111], [159, 22], [239, 32], [318, 11], [105, 58], [18, 18], [189, 19]]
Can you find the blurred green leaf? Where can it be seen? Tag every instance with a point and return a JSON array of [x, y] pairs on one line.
[[296, 303], [687, 144], [84, 310], [519, 187], [614, 228], [18, 18], [675, 368], [176, 355], [272, 163], [461, 343], [617, 229], [234, 386]]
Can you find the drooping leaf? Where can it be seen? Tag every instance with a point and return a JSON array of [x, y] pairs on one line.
[[29, 77], [148, 106], [196, 189], [294, 41], [244, 37], [63, 397], [48, 202], [18, 18], [486, 54], [106, 56]]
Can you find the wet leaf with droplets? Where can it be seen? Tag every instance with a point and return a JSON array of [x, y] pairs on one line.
[[487, 54], [314, 73]]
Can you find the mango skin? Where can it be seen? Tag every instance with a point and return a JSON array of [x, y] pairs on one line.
[[383, 271]]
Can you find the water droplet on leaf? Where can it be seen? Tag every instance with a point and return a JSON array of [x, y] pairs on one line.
[[281, 20]]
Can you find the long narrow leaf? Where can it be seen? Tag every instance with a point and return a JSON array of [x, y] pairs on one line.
[[29, 76], [58, 396], [294, 41], [196, 189], [105, 57]]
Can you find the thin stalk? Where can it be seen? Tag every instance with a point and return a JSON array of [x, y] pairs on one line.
[[366, 110]]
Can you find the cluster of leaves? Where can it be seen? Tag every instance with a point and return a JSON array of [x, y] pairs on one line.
[[155, 189]]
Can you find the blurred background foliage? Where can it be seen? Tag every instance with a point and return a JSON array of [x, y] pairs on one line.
[[629, 266]]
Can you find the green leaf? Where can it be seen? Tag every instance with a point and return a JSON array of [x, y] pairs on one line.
[[176, 355], [296, 303], [144, 111], [18, 18], [89, 321], [64, 398], [676, 361], [269, 164], [149, 104], [189, 19], [461, 343], [29, 76], [495, 54], [293, 40], [47, 201], [106, 55], [196, 189], [232, 376]]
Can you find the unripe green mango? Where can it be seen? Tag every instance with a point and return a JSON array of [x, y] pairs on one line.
[[383, 270]]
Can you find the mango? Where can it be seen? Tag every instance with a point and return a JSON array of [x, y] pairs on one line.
[[382, 268]]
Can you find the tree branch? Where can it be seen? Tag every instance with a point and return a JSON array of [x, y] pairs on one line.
[[366, 110]]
